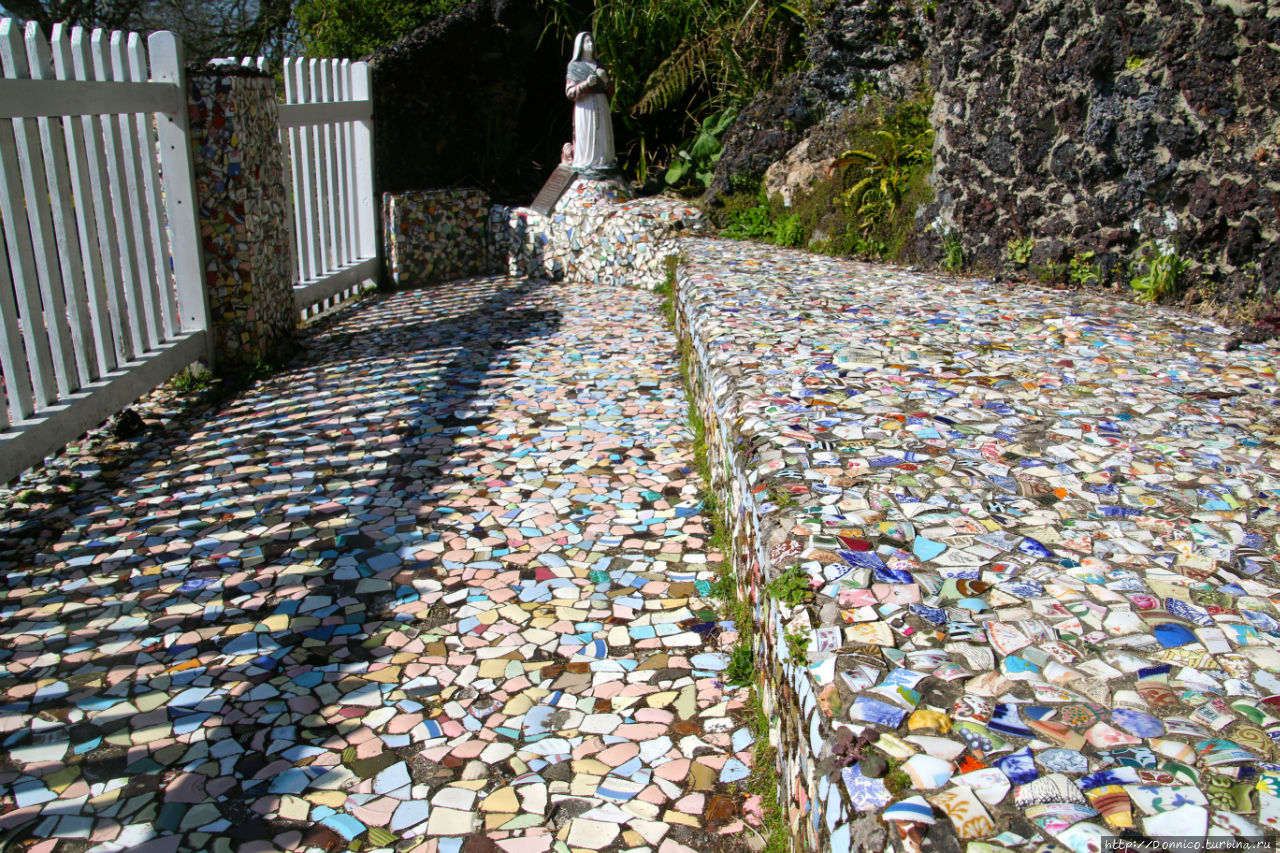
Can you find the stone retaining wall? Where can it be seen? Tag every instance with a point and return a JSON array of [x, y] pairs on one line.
[[1097, 126]]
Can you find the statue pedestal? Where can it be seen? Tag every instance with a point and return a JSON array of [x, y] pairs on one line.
[[597, 232]]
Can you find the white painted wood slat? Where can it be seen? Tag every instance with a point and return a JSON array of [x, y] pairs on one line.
[[129, 155], [323, 156], [349, 167], [311, 206], [50, 99], [118, 195], [91, 286], [22, 266], [306, 114], [39, 217], [13, 357], [149, 172], [337, 164], [116, 333], [180, 193], [58, 171], [363, 155]]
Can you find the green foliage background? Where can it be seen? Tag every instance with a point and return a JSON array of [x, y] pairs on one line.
[[676, 62], [355, 28]]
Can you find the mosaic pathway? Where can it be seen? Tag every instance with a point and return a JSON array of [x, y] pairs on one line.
[[438, 587], [1020, 548]]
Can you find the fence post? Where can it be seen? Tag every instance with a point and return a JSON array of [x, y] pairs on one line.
[[180, 189], [243, 213], [368, 240]]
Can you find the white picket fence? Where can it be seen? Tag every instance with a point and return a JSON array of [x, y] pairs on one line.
[[326, 123], [101, 276], [101, 281]]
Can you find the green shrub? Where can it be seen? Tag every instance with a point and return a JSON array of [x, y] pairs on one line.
[[695, 163], [791, 587], [887, 169], [1053, 272], [742, 665], [1157, 271], [790, 232], [1018, 250], [952, 251], [195, 378], [354, 28], [1083, 271], [884, 177], [752, 223], [761, 223]]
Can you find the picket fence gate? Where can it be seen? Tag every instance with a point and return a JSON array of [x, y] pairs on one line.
[[326, 123], [102, 292], [101, 280]]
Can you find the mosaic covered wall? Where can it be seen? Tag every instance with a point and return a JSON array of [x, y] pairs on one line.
[[244, 213], [596, 233], [969, 635], [432, 236]]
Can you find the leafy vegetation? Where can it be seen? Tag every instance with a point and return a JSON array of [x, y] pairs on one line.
[[952, 251], [888, 168], [1052, 272], [355, 28], [759, 223], [798, 646], [1018, 250], [791, 587], [742, 665], [764, 782], [696, 162], [1082, 269], [1156, 273], [867, 204], [193, 379]]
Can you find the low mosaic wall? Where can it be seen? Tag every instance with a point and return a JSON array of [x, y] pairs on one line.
[[432, 236], [1002, 601], [244, 213], [595, 233]]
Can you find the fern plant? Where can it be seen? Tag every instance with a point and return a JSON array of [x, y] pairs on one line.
[[727, 49], [887, 170]]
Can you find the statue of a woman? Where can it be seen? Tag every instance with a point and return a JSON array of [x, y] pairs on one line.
[[589, 86]]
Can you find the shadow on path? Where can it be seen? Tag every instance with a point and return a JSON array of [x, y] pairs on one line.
[[275, 538]]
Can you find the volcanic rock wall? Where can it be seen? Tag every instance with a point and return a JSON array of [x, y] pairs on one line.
[[1097, 125]]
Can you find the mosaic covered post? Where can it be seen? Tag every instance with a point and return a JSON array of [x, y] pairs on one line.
[[432, 236], [244, 213]]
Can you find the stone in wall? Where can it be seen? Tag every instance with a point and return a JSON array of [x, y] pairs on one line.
[[433, 236], [1097, 126], [244, 213]]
